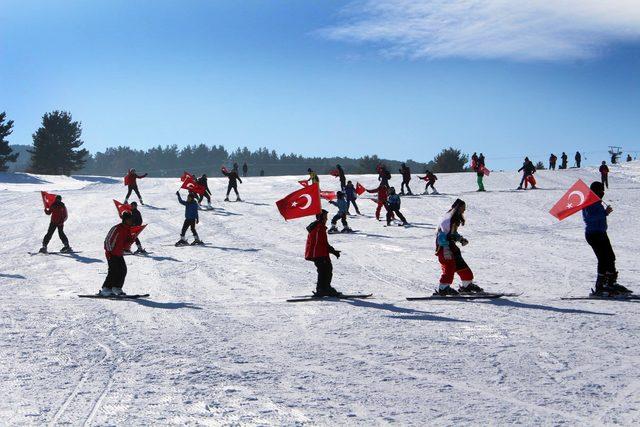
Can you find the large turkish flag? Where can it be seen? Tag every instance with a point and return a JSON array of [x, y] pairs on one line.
[[578, 197], [304, 202]]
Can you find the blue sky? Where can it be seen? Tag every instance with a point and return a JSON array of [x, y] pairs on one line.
[[399, 78]]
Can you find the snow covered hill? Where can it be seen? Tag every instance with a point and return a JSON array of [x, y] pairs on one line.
[[216, 343]]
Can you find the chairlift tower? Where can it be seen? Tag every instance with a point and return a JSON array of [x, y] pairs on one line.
[[615, 152]]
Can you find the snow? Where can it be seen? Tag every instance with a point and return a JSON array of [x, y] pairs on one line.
[[216, 343]]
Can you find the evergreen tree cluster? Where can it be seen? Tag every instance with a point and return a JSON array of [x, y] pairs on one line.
[[6, 153]]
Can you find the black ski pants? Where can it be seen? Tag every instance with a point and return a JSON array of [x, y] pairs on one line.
[[340, 216], [391, 211], [189, 223], [205, 195], [601, 246], [605, 180], [405, 183], [353, 202], [117, 272], [325, 272], [52, 228], [133, 188], [234, 186]]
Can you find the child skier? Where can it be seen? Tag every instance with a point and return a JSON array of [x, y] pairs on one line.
[[393, 207], [343, 207], [132, 183], [118, 238], [233, 182], [190, 220], [406, 177], [604, 174], [58, 213], [207, 193], [382, 192], [136, 220], [352, 195], [317, 250], [449, 254], [595, 219], [430, 179]]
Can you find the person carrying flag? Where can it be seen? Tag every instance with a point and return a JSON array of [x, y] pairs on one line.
[[343, 208], [313, 177], [317, 250], [595, 219], [352, 195], [430, 179], [58, 213], [190, 219], [207, 193], [132, 183], [118, 238], [233, 182], [527, 169], [383, 192]]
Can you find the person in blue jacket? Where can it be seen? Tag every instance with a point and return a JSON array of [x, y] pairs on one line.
[[190, 219], [393, 207], [343, 208], [352, 195], [595, 219]]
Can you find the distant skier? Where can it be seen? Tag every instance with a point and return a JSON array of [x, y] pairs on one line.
[[595, 218], [578, 159], [58, 213], [234, 178], [132, 184], [261, 172], [245, 169], [393, 207], [480, 173], [405, 171], [203, 181], [430, 180], [352, 195], [564, 159], [629, 158], [118, 238], [604, 174], [313, 177], [383, 192], [383, 175], [136, 220], [318, 250], [190, 220], [343, 208], [552, 161], [527, 169], [343, 179], [449, 254]]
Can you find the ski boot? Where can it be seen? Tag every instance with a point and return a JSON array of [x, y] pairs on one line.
[[106, 292], [435, 192], [182, 242], [141, 202], [127, 252], [519, 187], [326, 292], [197, 241], [118, 292], [209, 206], [226, 199], [43, 250], [238, 199], [333, 229], [612, 283], [346, 230], [140, 251], [470, 288], [444, 290], [66, 249]]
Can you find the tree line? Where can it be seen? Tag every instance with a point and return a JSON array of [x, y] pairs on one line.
[[57, 150]]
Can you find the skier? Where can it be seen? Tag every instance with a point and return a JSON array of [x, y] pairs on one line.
[[136, 220], [595, 219], [118, 238], [430, 179], [393, 207], [552, 161], [207, 193], [352, 195], [480, 172], [527, 169], [58, 213], [343, 179], [406, 177], [604, 174], [245, 169], [564, 158], [629, 157], [132, 183], [383, 175], [317, 250], [190, 220], [449, 254], [578, 159], [313, 177], [383, 192], [233, 182], [343, 208]]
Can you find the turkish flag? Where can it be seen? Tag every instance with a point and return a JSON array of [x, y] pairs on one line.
[[224, 170], [48, 199], [304, 202], [359, 189], [135, 231], [578, 197], [122, 207], [328, 195], [186, 175], [334, 172], [190, 184], [485, 171], [304, 183]]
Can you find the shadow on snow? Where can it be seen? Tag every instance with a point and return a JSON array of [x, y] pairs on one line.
[[406, 313]]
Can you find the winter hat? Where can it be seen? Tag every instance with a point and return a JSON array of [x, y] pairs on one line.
[[58, 198], [134, 203], [322, 212], [126, 215]]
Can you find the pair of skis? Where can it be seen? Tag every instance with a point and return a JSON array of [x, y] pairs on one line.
[[115, 297], [484, 295]]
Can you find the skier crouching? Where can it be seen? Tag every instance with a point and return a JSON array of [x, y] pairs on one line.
[[343, 208], [118, 238], [393, 207], [190, 220], [318, 250], [449, 254]]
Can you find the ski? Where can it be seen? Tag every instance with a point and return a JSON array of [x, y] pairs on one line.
[[315, 298], [598, 298], [115, 297], [460, 297], [54, 253]]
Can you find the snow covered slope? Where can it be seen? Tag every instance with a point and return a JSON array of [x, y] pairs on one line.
[[216, 342]]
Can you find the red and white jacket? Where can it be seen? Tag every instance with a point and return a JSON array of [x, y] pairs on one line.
[[118, 238]]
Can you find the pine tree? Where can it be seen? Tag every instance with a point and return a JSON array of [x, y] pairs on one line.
[[5, 151], [56, 145], [450, 160]]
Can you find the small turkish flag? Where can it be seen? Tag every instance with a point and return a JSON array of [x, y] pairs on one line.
[[485, 171], [334, 172], [48, 199], [359, 189], [186, 175], [122, 207], [328, 195], [304, 202], [304, 183], [135, 231], [190, 184], [578, 197]]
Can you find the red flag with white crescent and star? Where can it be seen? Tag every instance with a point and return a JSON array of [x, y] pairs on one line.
[[578, 197], [301, 203], [328, 195], [122, 207], [186, 175], [304, 183], [135, 231], [190, 184], [47, 199], [360, 189]]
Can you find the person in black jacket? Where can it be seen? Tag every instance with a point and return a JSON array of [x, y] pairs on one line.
[[552, 161], [207, 193], [245, 169], [233, 182], [136, 218], [527, 169], [564, 158], [406, 177], [578, 159], [343, 179]]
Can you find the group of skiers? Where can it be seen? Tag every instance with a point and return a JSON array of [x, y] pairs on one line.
[[564, 159]]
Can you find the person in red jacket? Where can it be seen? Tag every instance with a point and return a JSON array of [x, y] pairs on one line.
[[383, 194], [118, 238], [604, 174], [132, 183], [318, 250], [58, 213]]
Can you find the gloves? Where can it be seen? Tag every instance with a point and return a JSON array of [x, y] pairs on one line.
[[463, 241], [337, 254], [177, 193]]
